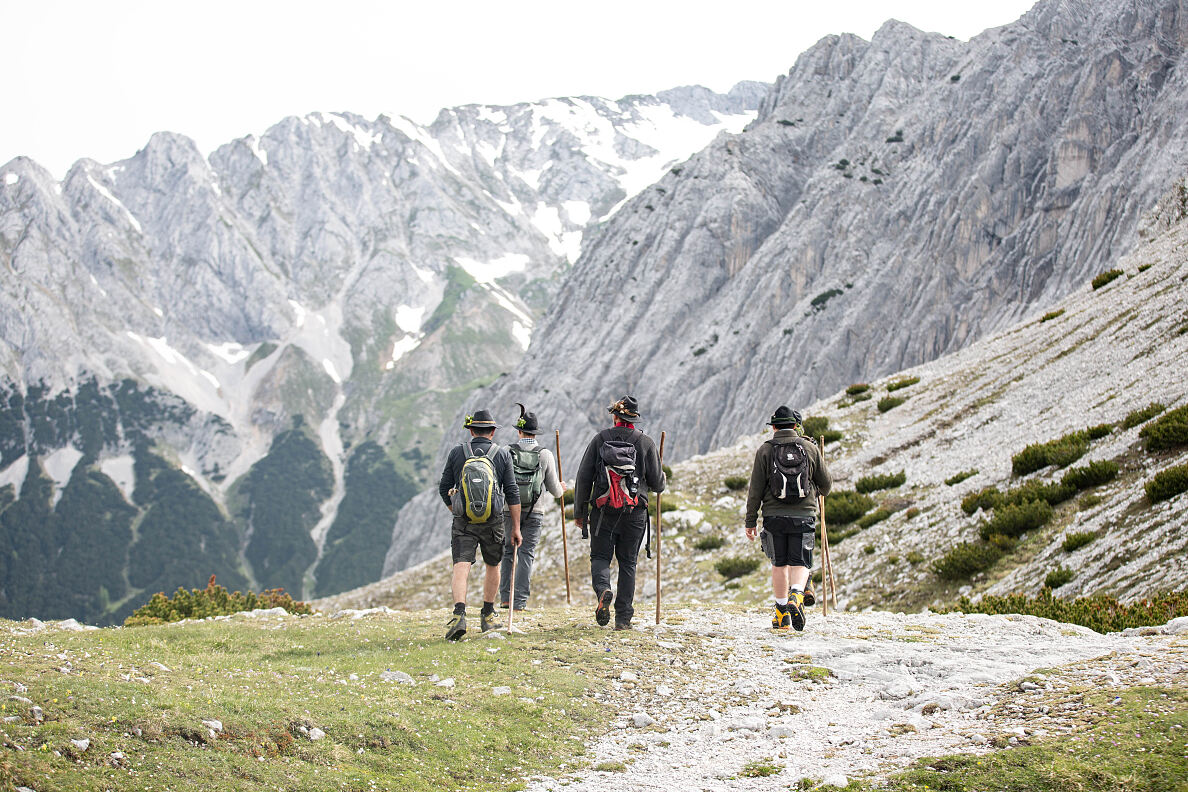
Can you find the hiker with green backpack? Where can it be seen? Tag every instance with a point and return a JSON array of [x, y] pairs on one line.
[[535, 471], [477, 481], [787, 476]]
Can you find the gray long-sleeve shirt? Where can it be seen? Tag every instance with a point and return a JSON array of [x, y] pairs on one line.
[[759, 495], [452, 472]]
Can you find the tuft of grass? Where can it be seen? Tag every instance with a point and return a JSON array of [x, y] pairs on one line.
[[914, 557], [1058, 577], [876, 516], [869, 549], [1106, 277], [709, 543], [1169, 431], [759, 769], [1050, 315], [966, 559], [845, 506], [736, 482], [960, 477], [1138, 748], [900, 384], [880, 482], [1075, 541], [1167, 484], [911, 513], [856, 388], [1143, 415], [610, 767], [890, 403], [1016, 519], [733, 567]]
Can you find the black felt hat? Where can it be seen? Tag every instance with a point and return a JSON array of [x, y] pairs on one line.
[[527, 421], [626, 407], [785, 417], [480, 420]]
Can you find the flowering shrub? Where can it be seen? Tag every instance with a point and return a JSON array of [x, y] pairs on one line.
[[214, 600]]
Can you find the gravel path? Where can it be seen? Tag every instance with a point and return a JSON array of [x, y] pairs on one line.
[[898, 687]]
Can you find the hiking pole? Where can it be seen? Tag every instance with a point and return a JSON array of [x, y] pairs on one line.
[[659, 530], [827, 578], [564, 542], [511, 603]]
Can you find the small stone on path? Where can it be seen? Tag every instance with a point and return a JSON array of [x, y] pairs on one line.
[[82, 744], [316, 734], [642, 720], [213, 725], [836, 780], [502, 690], [448, 682], [397, 676]]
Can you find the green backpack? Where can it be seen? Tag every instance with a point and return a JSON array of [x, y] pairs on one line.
[[529, 473], [478, 496]]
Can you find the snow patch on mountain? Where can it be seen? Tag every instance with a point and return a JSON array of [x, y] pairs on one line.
[[121, 470], [59, 466]]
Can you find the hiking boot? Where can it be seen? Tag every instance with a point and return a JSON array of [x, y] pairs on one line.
[[796, 611], [779, 617], [503, 605], [620, 625], [488, 621], [602, 612], [456, 627], [810, 596]]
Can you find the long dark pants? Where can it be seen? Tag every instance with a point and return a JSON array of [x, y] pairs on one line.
[[530, 533], [619, 538]]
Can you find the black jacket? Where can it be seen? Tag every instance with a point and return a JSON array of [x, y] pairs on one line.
[[646, 457], [503, 470]]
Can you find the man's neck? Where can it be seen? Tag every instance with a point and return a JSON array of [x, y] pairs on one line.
[[620, 422]]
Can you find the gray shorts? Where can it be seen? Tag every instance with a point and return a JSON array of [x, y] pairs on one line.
[[466, 538]]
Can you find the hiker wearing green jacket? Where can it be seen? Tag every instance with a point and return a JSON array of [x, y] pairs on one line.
[[477, 481], [787, 476], [535, 471]]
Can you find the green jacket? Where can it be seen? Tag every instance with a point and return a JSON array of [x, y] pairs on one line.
[[758, 495]]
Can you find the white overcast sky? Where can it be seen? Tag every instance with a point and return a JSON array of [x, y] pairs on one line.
[[95, 78]]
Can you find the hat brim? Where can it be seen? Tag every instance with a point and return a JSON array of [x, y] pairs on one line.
[[787, 422], [481, 425], [529, 431]]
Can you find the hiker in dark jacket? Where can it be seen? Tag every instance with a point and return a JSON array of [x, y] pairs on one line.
[[786, 491], [466, 536], [617, 532], [532, 463]]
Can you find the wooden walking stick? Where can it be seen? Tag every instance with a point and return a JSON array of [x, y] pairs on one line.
[[564, 542], [511, 600], [659, 530], [828, 581]]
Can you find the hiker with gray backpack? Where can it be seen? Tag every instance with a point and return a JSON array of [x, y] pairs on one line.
[[787, 476], [610, 506], [535, 471], [478, 480]]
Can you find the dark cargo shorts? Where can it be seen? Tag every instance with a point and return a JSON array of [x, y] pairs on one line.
[[788, 541], [466, 537]]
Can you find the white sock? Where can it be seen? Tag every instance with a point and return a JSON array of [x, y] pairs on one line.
[[782, 602], [798, 589]]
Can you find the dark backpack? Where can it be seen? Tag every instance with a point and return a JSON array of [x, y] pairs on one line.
[[789, 477], [478, 496], [616, 479], [529, 473]]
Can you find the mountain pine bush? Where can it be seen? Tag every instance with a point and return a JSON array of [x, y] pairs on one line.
[[1092, 475], [965, 560], [986, 498], [1016, 519], [816, 426], [856, 388], [876, 516], [735, 482], [845, 506], [1058, 577], [900, 384], [1101, 613], [1167, 484], [1050, 315], [1169, 431], [1137, 417], [890, 403], [1075, 541], [733, 567], [1061, 452], [214, 600], [880, 481], [1106, 277], [960, 477]]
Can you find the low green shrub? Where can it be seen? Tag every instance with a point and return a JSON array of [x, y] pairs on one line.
[[890, 403], [876, 516], [986, 498], [733, 567], [1061, 452], [880, 481], [861, 397], [1004, 543], [1016, 519], [900, 384], [814, 426], [1050, 315], [839, 535], [960, 477], [567, 497], [869, 549], [666, 506], [914, 557], [965, 560], [856, 388], [736, 482], [1137, 417], [831, 435], [1106, 277], [1099, 431], [1075, 541], [1053, 494], [214, 600], [845, 506], [1101, 613], [667, 472], [1169, 431], [1167, 484], [709, 543], [1058, 577], [911, 513], [1092, 475]]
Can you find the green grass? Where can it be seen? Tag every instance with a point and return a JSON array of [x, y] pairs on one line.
[[890, 403], [960, 477], [1050, 315], [1143, 415], [1075, 541], [1106, 277], [266, 684], [899, 384], [759, 769], [1135, 744]]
